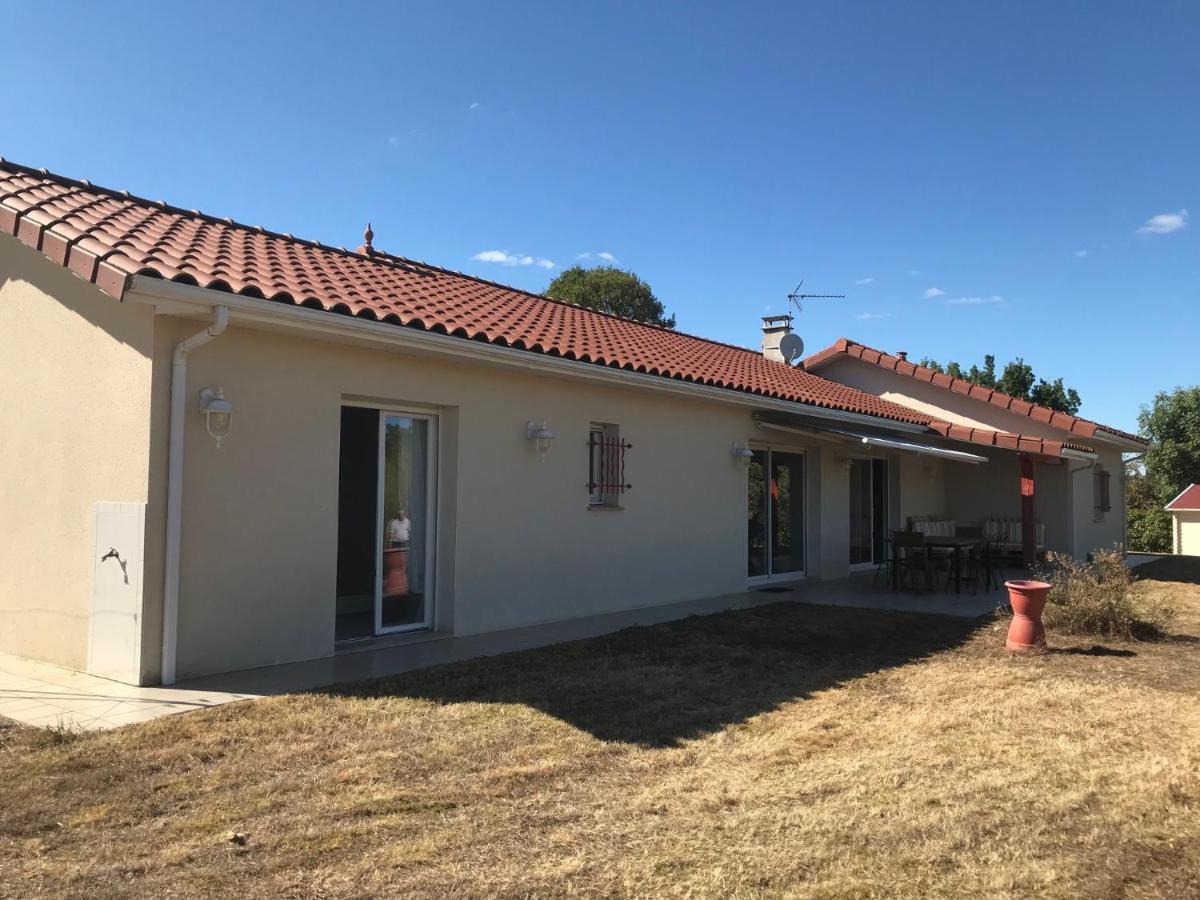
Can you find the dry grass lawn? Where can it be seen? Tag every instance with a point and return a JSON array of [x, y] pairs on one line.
[[785, 751]]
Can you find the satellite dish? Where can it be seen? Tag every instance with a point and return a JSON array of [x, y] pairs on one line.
[[791, 347]]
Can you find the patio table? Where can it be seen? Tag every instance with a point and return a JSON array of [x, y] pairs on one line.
[[955, 543]]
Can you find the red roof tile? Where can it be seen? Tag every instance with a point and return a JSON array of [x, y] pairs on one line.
[[844, 348], [1188, 499], [107, 237], [1007, 440]]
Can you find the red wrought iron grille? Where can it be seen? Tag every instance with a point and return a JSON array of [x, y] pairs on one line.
[[609, 450]]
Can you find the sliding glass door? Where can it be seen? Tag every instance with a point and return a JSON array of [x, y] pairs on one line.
[[868, 511], [386, 522], [405, 523], [775, 514]]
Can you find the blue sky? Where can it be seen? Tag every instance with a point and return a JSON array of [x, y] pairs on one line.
[[975, 178]]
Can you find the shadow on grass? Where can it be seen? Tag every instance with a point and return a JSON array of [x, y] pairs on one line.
[[1094, 650], [1183, 569], [658, 685]]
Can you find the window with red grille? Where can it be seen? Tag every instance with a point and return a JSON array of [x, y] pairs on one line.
[[606, 465]]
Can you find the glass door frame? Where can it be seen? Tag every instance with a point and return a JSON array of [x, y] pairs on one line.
[[871, 563], [781, 577], [431, 515], [878, 541]]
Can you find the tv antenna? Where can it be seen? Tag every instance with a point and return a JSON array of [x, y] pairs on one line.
[[796, 298]]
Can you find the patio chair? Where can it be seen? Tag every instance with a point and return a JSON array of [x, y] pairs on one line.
[[979, 568], [885, 565], [911, 557]]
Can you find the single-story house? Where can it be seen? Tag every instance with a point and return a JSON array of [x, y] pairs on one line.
[[1185, 521], [225, 448]]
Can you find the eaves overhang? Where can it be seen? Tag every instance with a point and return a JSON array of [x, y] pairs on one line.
[[189, 301]]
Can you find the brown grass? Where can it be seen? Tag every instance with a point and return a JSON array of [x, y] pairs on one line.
[[784, 751]]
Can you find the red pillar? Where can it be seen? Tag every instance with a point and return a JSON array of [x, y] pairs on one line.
[[1028, 516]]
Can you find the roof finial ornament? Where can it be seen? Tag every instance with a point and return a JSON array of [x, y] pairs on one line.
[[368, 236]]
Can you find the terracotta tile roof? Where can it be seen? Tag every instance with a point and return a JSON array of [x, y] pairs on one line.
[[1006, 439], [1188, 499], [844, 348], [107, 237]]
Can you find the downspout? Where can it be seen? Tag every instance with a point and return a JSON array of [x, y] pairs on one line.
[[1125, 501], [175, 485]]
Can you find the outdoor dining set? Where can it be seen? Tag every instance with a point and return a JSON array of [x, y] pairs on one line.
[[935, 551]]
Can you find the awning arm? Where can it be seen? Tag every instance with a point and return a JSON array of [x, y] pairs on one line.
[[869, 440]]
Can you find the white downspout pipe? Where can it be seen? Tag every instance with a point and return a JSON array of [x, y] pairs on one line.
[[175, 485]]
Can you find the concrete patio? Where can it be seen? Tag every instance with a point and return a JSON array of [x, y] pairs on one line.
[[44, 695]]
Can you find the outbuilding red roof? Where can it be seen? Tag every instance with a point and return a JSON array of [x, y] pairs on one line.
[[844, 348], [1188, 499], [107, 237]]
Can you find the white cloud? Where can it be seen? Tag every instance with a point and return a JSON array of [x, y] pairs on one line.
[[603, 255], [1165, 223], [934, 292], [475, 105], [866, 280], [867, 316], [1081, 253], [975, 301], [512, 259]]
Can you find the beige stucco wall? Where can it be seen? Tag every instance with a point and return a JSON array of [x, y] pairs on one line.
[[518, 543], [1065, 503], [1092, 530], [993, 490], [933, 400], [1186, 533], [75, 366]]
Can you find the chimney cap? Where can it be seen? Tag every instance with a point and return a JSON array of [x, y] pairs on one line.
[[902, 355]]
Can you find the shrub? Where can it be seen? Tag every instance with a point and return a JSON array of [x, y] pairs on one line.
[[1150, 529], [1097, 598]]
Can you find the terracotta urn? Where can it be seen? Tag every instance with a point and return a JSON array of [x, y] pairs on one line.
[[1028, 599], [395, 571]]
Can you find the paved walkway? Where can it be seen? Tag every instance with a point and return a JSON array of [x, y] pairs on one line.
[[37, 693], [40, 694]]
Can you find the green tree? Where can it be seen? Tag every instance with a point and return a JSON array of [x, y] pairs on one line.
[[1017, 380], [985, 377], [1172, 423], [1054, 395], [611, 290], [1149, 525]]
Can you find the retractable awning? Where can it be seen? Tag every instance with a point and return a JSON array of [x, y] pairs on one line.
[[874, 440]]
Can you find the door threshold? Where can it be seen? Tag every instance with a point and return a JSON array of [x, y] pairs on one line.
[[384, 641]]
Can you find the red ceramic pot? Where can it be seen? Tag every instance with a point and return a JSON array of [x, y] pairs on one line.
[[1028, 599], [395, 571]]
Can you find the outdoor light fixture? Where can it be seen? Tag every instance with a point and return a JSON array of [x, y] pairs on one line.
[[218, 413], [541, 435], [742, 453]]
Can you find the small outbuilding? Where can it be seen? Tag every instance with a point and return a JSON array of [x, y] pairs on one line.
[[1185, 526]]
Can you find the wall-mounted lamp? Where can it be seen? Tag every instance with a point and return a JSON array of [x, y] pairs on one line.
[[742, 453], [541, 435], [218, 413]]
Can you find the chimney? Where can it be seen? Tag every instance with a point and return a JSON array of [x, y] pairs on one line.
[[774, 328], [902, 355]]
